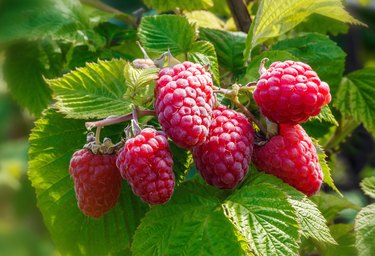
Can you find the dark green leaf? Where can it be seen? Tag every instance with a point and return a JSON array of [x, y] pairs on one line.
[[23, 72], [182, 162], [229, 47], [192, 223], [326, 115], [52, 143], [344, 235], [355, 97]]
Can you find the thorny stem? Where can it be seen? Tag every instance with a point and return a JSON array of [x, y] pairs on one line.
[[116, 120], [97, 135]]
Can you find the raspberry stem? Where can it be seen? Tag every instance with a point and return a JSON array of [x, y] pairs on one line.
[[115, 120]]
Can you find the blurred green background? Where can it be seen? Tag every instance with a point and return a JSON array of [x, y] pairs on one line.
[[22, 232]]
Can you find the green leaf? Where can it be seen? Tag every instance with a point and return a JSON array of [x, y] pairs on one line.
[[330, 205], [192, 223], [326, 115], [275, 18], [205, 19], [182, 162], [52, 143], [163, 32], [344, 235], [31, 19], [94, 91], [327, 178], [203, 52], [171, 5], [228, 45], [365, 231], [311, 220], [23, 72], [264, 218], [140, 83], [368, 186], [355, 97], [320, 53], [252, 71], [323, 25]]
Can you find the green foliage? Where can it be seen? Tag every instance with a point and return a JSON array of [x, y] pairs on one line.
[[52, 143], [192, 223], [368, 186], [365, 231], [24, 70], [326, 115], [275, 18], [170, 5], [228, 46], [344, 235], [95, 91], [182, 162], [205, 19], [321, 53], [355, 97]]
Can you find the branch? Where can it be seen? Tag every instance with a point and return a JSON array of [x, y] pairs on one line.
[[240, 14]]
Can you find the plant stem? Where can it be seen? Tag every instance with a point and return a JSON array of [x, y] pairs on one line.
[[240, 14], [341, 132], [116, 120]]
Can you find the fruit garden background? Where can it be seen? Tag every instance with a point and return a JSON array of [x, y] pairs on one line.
[[65, 63]]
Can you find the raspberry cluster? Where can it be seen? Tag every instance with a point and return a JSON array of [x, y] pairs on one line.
[[289, 93], [220, 139]]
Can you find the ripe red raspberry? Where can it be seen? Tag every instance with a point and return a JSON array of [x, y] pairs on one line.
[[290, 92], [291, 156], [97, 182], [184, 101], [146, 163], [223, 159]]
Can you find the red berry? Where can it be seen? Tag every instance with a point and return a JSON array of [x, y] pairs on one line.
[[291, 156], [184, 101], [223, 159], [290, 92], [146, 163], [97, 182]]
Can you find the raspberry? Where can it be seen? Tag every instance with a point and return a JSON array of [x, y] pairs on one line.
[[97, 182], [146, 163], [291, 156], [223, 159], [290, 92], [184, 101]]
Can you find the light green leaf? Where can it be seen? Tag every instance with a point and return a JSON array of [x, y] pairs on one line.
[[327, 178], [331, 205], [264, 218], [368, 186], [203, 52], [171, 5], [140, 83], [344, 235], [205, 19], [228, 45], [320, 53], [23, 72], [355, 97], [275, 18], [326, 115], [52, 143], [365, 231], [163, 32], [311, 220], [192, 223], [252, 73], [94, 91]]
